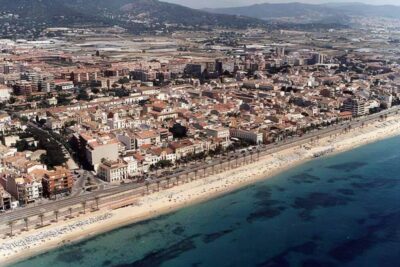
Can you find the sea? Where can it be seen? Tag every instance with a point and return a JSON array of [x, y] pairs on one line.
[[341, 210]]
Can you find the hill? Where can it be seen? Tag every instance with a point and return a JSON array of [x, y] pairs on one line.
[[339, 13], [138, 16]]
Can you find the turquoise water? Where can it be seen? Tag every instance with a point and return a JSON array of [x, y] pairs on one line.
[[342, 210]]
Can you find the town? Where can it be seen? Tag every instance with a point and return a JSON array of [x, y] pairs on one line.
[[92, 109]]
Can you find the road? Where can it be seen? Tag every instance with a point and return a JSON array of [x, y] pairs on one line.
[[135, 188]]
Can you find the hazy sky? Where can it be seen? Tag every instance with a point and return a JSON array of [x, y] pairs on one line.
[[230, 3]]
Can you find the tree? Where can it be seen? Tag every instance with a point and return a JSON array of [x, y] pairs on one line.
[[41, 216], [11, 225], [123, 80], [70, 212], [26, 220], [24, 119], [84, 206], [97, 199], [82, 95], [164, 164], [56, 212], [21, 145], [178, 131], [147, 186]]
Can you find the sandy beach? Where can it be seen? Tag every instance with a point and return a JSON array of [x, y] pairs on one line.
[[33, 242]]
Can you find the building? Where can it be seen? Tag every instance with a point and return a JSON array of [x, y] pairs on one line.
[[99, 149], [133, 168], [5, 199], [4, 93], [182, 148], [355, 106], [113, 171], [222, 133], [26, 189], [58, 181], [247, 135]]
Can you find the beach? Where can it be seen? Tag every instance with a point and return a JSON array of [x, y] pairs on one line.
[[57, 234]]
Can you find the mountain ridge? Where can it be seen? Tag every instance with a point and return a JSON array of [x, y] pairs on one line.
[[340, 11]]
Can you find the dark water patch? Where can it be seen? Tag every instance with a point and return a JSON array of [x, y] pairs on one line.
[[265, 213], [179, 230], [307, 248], [305, 215], [344, 178], [376, 183], [266, 207], [196, 264], [348, 166], [156, 258], [386, 227], [304, 178], [317, 199], [345, 191], [263, 192], [379, 229], [316, 237], [279, 260], [280, 189], [356, 177], [316, 263], [71, 256], [350, 249], [106, 263], [361, 221], [146, 234], [208, 238]]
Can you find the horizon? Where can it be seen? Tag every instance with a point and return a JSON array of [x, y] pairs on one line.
[[241, 3]]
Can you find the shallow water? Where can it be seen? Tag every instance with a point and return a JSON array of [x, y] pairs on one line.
[[342, 210]]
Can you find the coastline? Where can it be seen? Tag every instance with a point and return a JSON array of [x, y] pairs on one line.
[[188, 194]]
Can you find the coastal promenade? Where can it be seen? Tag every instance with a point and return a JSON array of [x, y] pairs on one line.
[[160, 197], [37, 215]]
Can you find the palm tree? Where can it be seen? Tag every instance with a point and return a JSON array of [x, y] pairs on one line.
[[168, 179], [204, 171], [41, 216], [158, 185], [147, 186], [26, 220], [11, 224], [237, 158], [56, 212], [84, 206], [70, 212], [97, 199], [258, 154]]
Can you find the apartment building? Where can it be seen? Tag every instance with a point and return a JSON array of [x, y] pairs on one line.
[[101, 148], [5, 199], [58, 181], [26, 189]]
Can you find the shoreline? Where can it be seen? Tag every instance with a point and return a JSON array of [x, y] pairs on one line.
[[184, 195]]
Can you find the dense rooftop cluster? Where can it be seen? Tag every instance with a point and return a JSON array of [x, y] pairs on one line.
[[129, 109]]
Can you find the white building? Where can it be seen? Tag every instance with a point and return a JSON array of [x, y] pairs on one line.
[[113, 171], [247, 135]]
